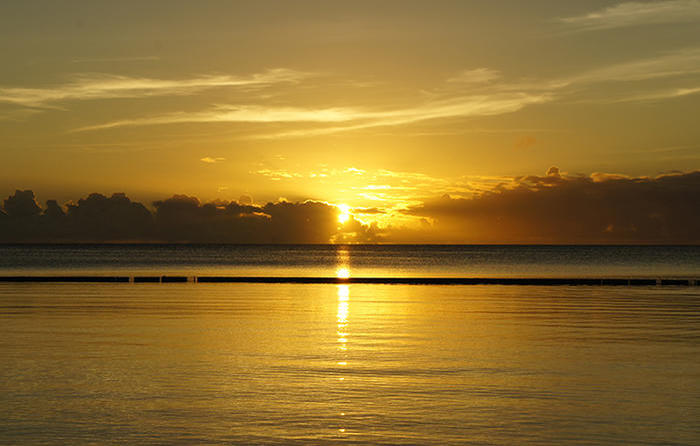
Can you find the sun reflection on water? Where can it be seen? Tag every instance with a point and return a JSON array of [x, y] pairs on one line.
[[342, 325], [342, 270], [342, 316]]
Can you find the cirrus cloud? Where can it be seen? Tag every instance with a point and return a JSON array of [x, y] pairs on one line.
[[637, 13], [110, 86]]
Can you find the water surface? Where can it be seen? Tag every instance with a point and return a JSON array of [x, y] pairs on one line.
[[360, 364], [356, 260]]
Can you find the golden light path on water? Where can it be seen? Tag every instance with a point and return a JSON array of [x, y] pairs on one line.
[[343, 291], [342, 331]]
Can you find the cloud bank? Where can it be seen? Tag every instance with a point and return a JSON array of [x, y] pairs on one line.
[[553, 208], [179, 219]]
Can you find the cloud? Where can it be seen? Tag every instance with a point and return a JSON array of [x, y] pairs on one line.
[[117, 59], [557, 208], [476, 76], [496, 103], [552, 208], [459, 107], [368, 211], [278, 174], [101, 218], [21, 204], [656, 95], [184, 218], [109, 86], [397, 188], [180, 218], [637, 13], [239, 113], [681, 62], [210, 160], [96, 218], [307, 222], [495, 97]]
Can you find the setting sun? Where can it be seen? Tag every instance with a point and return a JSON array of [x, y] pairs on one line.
[[344, 213]]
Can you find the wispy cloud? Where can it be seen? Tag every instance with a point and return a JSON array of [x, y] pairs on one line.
[[397, 187], [212, 160], [242, 113], [476, 76], [501, 97], [19, 114], [675, 63], [656, 95], [459, 107], [637, 13], [109, 86], [469, 93], [117, 59], [453, 100], [355, 118]]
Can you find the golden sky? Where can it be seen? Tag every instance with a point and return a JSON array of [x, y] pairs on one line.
[[386, 107]]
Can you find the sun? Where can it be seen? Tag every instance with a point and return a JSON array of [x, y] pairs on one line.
[[344, 213]]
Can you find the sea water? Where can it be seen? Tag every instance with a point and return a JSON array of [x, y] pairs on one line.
[[195, 363], [357, 260]]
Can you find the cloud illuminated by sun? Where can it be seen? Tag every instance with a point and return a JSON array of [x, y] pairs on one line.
[[344, 213]]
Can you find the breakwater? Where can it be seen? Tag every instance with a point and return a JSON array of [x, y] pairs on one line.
[[538, 281]]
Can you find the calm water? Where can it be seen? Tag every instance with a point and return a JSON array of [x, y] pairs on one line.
[[328, 364], [368, 261], [201, 363]]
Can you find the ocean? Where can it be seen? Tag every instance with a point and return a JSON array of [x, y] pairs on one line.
[[198, 363], [355, 260]]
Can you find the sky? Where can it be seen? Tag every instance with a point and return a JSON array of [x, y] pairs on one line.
[[416, 121]]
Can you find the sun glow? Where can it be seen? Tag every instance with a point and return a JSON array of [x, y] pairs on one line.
[[344, 213]]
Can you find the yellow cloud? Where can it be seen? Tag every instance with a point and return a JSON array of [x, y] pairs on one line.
[[109, 86], [210, 160]]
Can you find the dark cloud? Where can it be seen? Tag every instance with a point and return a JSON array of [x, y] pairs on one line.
[[308, 222], [53, 210], [21, 218], [21, 204], [553, 208], [99, 218], [573, 209], [181, 218], [354, 231], [184, 219]]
